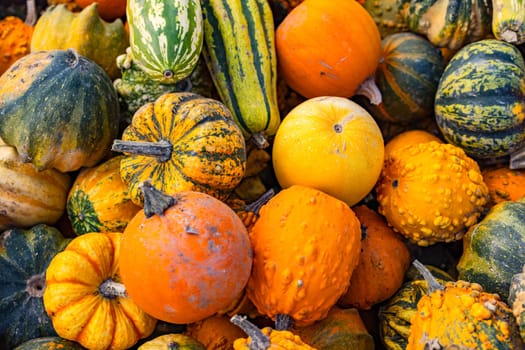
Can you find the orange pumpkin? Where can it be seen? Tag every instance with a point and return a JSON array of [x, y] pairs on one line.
[[109, 10], [382, 265], [215, 332], [409, 137], [327, 48], [504, 184], [184, 257]]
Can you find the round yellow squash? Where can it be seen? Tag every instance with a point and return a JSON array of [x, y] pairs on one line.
[[331, 144]]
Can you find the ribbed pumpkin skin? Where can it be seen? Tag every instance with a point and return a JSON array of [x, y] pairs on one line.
[[165, 37], [24, 258], [98, 200], [209, 153], [494, 249], [407, 76], [480, 100], [58, 109]]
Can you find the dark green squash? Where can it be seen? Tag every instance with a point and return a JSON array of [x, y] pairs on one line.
[[516, 300], [494, 248], [24, 257], [49, 343], [58, 109], [480, 100]]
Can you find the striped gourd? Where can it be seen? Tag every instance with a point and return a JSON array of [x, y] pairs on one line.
[[165, 37], [508, 20], [480, 100], [239, 48]]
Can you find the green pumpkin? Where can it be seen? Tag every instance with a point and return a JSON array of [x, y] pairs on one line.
[[24, 257], [58, 109], [47, 343], [407, 77], [494, 248], [516, 300], [59, 29], [480, 100], [166, 37]]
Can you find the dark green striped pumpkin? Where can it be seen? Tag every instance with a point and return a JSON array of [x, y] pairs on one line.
[[182, 141], [58, 109], [407, 77], [480, 100], [239, 47], [494, 248], [24, 258], [166, 37]]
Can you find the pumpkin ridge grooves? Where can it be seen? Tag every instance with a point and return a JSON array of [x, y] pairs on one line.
[[93, 264]]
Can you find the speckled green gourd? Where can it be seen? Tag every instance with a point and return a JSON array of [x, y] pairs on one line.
[[388, 15]]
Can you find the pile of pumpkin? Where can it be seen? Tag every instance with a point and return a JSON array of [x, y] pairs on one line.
[[263, 174]]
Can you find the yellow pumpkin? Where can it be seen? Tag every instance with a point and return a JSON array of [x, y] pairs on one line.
[[409, 137], [331, 144], [85, 299]]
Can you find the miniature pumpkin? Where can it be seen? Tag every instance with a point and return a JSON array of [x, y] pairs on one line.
[[408, 137], [59, 29], [266, 338], [463, 314], [341, 329], [504, 184], [109, 10], [48, 343], [431, 206], [28, 196], [382, 264], [172, 342], [24, 258], [332, 144], [182, 141], [306, 245], [494, 248], [215, 332], [86, 302], [516, 300], [15, 36], [98, 201], [327, 48], [58, 109], [190, 249]]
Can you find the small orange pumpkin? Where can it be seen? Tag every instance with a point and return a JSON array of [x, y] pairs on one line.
[[409, 137], [504, 184], [327, 48], [109, 10]]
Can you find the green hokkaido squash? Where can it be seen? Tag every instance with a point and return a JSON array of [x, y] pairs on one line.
[[494, 248], [166, 37], [24, 257], [480, 99], [58, 109]]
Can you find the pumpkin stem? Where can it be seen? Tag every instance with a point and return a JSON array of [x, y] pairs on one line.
[[257, 204], [259, 340], [31, 13], [76, 58], [517, 159], [283, 322], [432, 282], [259, 140], [369, 89], [155, 201], [161, 149], [36, 285], [111, 289]]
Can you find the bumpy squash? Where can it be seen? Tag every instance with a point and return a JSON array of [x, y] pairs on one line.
[[184, 257], [59, 29], [24, 258], [172, 342], [516, 300], [508, 20], [48, 343], [58, 109], [480, 100], [86, 302], [429, 207], [408, 137], [494, 248], [166, 37], [182, 141], [504, 184], [98, 201], [388, 15], [240, 54], [462, 314], [306, 245], [27, 196]]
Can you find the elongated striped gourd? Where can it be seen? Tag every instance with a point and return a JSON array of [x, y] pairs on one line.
[[239, 48], [508, 20], [165, 37]]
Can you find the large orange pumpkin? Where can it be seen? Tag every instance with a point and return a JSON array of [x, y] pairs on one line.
[[184, 257], [327, 48]]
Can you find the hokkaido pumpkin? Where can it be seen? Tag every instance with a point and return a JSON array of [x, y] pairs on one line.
[[109, 10], [85, 299], [327, 48], [306, 245], [184, 257], [332, 144]]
